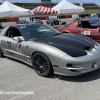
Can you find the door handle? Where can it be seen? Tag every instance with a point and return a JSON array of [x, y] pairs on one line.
[[26, 46], [9, 44], [77, 30]]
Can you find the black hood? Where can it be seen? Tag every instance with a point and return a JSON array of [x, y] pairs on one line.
[[73, 44]]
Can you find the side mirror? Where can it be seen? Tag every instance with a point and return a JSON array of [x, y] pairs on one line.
[[19, 38], [98, 29]]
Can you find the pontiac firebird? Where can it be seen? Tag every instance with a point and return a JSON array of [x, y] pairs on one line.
[[50, 51]]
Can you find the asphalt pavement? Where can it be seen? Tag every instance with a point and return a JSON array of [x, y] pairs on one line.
[[19, 77]]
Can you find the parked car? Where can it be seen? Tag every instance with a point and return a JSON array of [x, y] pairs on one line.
[[49, 51], [52, 21], [22, 21], [77, 18], [38, 21], [94, 16], [0, 24], [83, 15], [87, 27], [66, 25]]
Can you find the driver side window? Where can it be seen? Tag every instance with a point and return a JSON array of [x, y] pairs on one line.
[[12, 32], [79, 25], [87, 24]]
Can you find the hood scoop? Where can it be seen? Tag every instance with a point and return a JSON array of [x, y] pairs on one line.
[[88, 48]]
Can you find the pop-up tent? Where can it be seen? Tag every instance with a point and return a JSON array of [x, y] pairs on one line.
[[67, 7], [9, 9], [43, 10], [40, 10]]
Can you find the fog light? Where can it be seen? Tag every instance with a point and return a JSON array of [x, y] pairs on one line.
[[94, 65]]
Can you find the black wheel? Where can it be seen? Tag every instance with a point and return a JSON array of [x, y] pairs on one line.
[[42, 65], [1, 53]]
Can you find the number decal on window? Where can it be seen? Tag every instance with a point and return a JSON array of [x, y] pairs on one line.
[[85, 32]]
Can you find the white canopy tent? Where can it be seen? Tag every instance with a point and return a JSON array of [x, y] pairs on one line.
[[67, 7], [9, 9]]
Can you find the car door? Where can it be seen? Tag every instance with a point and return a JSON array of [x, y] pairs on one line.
[[12, 47], [18, 47], [85, 28]]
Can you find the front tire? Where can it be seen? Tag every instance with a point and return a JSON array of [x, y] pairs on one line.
[[42, 65], [1, 53]]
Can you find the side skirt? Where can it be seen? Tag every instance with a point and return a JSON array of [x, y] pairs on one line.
[[18, 59]]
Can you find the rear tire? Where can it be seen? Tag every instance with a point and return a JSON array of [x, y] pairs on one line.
[[42, 65], [1, 53]]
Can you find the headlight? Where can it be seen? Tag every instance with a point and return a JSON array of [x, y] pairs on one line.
[[94, 65]]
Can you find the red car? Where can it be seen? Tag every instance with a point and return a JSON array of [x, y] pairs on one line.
[[88, 27]]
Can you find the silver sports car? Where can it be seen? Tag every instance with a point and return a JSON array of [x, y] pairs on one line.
[[50, 51]]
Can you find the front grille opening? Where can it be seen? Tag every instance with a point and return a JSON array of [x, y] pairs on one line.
[[73, 66], [69, 65], [75, 71]]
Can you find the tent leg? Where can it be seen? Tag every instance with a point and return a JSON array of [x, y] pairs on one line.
[[25, 17], [60, 18], [66, 18], [46, 19], [31, 18], [12, 20], [22, 18], [34, 16]]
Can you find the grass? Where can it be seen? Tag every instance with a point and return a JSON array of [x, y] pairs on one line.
[[91, 11], [85, 12]]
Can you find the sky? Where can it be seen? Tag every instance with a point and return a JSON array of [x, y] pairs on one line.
[[55, 1]]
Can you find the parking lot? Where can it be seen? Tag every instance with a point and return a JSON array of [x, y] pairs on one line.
[[5, 24], [18, 76]]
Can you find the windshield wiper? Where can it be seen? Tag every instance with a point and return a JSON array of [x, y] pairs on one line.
[[57, 34], [38, 37]]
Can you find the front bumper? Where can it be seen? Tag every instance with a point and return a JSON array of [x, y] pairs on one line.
[[83, 64]]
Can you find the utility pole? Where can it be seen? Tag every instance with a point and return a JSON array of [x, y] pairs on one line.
[[4, 0]]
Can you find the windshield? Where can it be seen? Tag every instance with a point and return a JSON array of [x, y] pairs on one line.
[[67, 25], [32, 31]]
